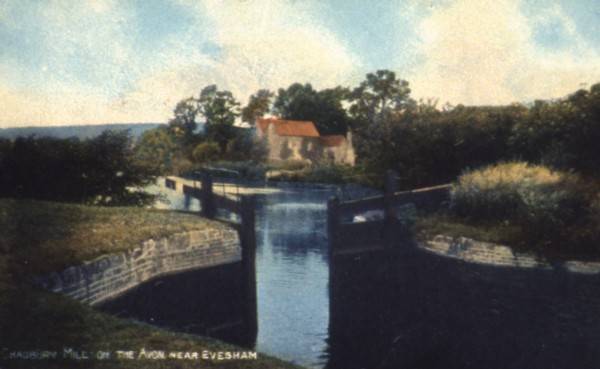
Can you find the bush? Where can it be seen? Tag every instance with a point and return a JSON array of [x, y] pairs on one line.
[[245, 169], [545, 202], [291, 165], [433, 147], [156, 149], [321, 173], [562, 133], [206, 152], [101, 170], [246, 147], [329, 173]]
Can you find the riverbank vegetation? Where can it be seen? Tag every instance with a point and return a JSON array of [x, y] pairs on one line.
[[317, 173], [100, 170], [530, 207], [424, 143], [43, 236], [40, 237]]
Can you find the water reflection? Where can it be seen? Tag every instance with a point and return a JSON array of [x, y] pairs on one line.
[[292, 276]]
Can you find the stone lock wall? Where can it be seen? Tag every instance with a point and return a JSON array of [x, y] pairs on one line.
[[488, 253], [110, 275]]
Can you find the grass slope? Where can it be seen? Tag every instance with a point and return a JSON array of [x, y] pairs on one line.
[[38, 237]]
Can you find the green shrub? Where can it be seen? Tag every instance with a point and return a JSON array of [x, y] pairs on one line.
[[206, 151], [291, 165], [245, 169], [103, 170], [545, 202], [329, 173], [180, 165], [322, 173], [246, 147]]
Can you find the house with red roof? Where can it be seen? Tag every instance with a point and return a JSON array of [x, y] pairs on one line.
[[300, 140]]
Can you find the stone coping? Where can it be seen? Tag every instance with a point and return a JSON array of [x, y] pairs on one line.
[[109, 275], [488, 253]]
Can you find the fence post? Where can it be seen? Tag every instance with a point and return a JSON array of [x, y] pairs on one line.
[[391, 186], [208, 201], [248, 243], [333, 223]]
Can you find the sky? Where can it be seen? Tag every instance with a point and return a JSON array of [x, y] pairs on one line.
[[102, 61]]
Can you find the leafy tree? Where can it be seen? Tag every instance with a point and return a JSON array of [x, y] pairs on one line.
[[428, 146], [324, 108], [245, 146], [332, 115], [95, 171], [381, 94], [258, 105], [562, 133], [219, 109], [184, 123], [295, 102], [206, 152], [112, 171], [156, 149]]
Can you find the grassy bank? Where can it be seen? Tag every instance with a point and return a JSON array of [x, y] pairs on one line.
[[427, 227], [516, 237], [46, 236], [529, 207], [38, 237]]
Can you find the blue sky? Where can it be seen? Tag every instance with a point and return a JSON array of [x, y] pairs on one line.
[[96, 61]]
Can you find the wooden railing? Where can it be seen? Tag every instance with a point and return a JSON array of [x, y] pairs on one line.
[[380, 228]]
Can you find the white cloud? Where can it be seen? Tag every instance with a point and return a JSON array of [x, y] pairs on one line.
[[277, 42], [482, 52], [92, 37], [259, 44], [22, 108], [473, 52]]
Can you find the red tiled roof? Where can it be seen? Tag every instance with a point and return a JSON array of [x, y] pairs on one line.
[[333, 140], [300, 128]]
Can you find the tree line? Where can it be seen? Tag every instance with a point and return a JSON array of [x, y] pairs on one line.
[[99, 171], [427, 145], [202, 128], [424, 143]]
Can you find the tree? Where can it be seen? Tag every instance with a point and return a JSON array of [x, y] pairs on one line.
[[112, 172], [324, 108], [562, 133], [331, 114], [258, 105], [95, 171], [219, 109], [184, 123], [295, 102], [378, 96], [206, 152], [245, 146], [157, 149]]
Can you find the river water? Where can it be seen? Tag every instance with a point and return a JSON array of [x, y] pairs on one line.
[[292, 271], [292, 276], [407, 310]]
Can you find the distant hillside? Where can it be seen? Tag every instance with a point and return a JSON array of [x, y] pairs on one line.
[[81, 132]]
